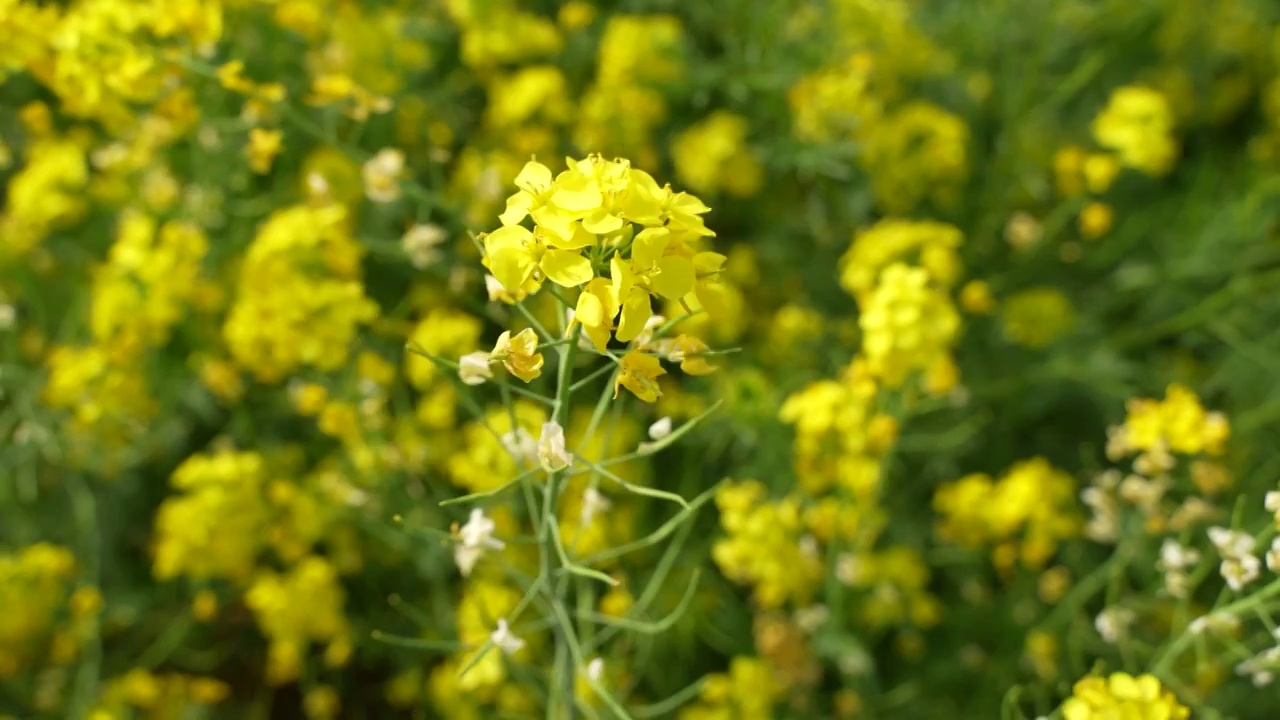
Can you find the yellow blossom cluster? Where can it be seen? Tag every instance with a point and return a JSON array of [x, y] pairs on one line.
[[1023, 516], [623, 106], [46, 618], [713, 156], [746, 692], [907, 325], [930, 244], [154, 696], [1138, 125], [148, 280], [1135, 130], [1122, 695], [763, 545], [299, 299], [914, 151], [231, 506], [1177, 424], [839, 434], [297, 608], [43, 195]]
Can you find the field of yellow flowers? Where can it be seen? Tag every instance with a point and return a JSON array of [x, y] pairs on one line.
[[715, 360]]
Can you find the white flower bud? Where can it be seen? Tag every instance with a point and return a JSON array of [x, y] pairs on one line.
[[473, 368], [660, 429], [551, 450]]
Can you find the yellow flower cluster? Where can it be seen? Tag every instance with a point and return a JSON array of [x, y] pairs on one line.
[[914, 151], [1177, 424], [151, 696], [1024, 515], [106, 391], [297, 608], [497, 33], [620, 110], [763, 545], [299, 300], [917, 153], [213, 528], [930, 244], [713, 156], [907, 325], [748, 691], [150, 277], [836, 102], [1138, 125], [231, 506], [45, 194], [1121, 695], [839, 435], [44, 618]]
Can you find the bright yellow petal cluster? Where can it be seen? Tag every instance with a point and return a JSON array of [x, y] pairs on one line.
[[930, 244], [297, 608], [1024, 515], [713, 155], [299, 300], [1122, 695], [41, 607], [519, 354], [1179, 423], [601, 213], [762, 545], [1138, 125], [747, 691], [907, 324]]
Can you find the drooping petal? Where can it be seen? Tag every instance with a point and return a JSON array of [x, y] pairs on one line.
[[623, 278], [589, 311], [512, 266], [643, 203], [636, 311]]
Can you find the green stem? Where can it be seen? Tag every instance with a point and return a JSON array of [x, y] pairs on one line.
[[1175, 649]]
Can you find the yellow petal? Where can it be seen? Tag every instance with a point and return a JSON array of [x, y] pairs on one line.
[[642, 203], [554, 220], [534, 177], [623, 278], [578, 238], [674, 278], [636, 311], [517, 208], [511, 266], [576, 192], [602, 222], [599, 337], [649, 246], [706, 263], [686, 203], [565, 267], [589, 310]]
